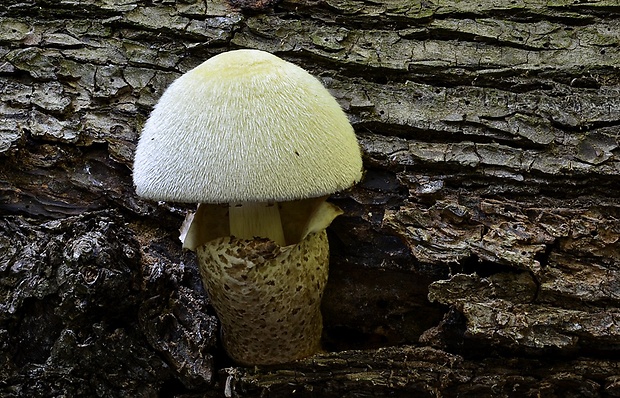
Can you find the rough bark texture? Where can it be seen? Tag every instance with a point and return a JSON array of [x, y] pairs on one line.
[[480, 256]]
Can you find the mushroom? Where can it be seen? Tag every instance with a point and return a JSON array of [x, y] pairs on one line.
[[259, 143]]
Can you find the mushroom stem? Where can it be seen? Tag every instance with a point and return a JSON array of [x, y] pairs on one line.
[[251, 219]]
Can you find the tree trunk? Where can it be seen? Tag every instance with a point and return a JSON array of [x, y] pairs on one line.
[[480, 255]]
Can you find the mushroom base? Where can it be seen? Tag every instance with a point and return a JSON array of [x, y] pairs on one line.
[[267, 297]]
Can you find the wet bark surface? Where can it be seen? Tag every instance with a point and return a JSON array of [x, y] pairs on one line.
[[480, 255]]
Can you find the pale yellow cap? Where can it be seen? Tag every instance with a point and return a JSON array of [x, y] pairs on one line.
[[246, 126]]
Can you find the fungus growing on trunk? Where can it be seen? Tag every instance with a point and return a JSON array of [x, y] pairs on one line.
[[259, 143]]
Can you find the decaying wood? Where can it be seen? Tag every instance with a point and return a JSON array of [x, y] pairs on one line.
[[480, 256], [425, 372]]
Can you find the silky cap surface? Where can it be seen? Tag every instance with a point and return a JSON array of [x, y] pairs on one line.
[[246, 126]]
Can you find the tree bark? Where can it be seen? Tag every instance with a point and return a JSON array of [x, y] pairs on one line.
[[480, 255]]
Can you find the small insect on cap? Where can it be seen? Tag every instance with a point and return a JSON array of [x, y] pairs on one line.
[[246, 126]]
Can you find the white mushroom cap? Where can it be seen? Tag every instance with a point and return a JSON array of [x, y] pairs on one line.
[[246, 126]]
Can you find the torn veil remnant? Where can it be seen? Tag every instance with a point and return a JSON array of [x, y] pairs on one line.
[[259, 143]]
